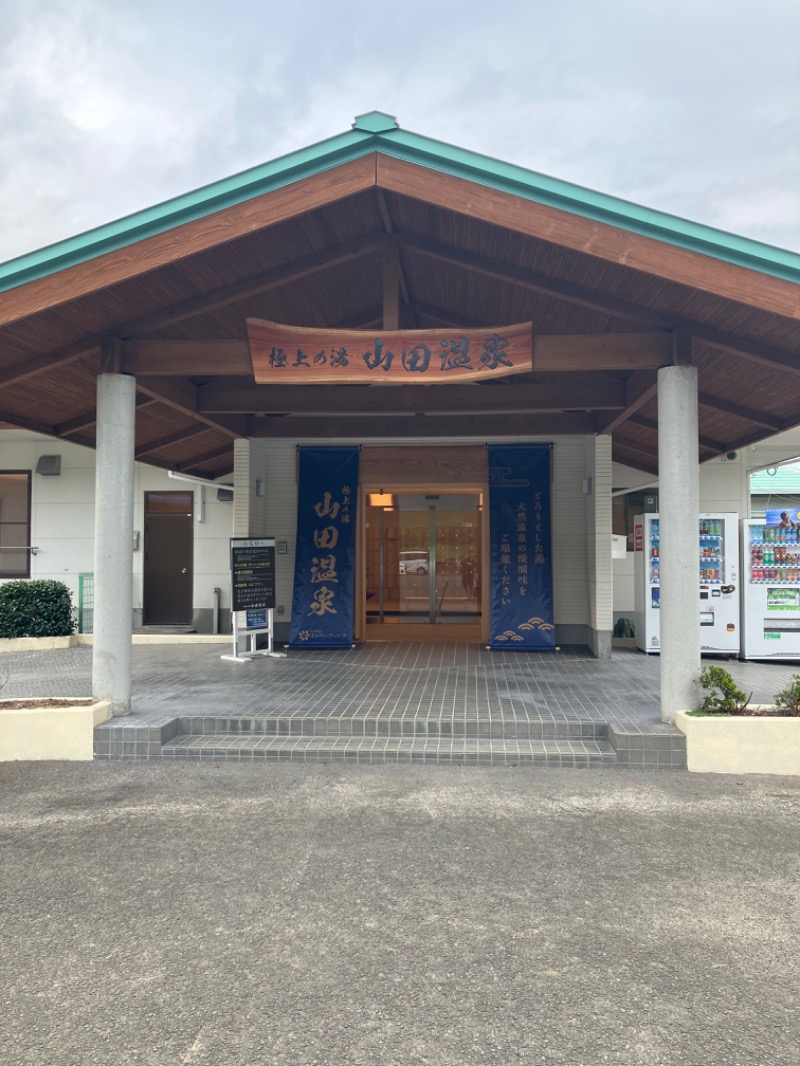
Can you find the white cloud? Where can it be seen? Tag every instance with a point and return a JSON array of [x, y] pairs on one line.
[[106, 108]]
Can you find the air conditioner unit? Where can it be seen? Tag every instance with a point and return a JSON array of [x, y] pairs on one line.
[[49, 465], [225, 495]]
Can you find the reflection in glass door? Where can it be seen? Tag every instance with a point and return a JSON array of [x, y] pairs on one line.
[[423, 558]]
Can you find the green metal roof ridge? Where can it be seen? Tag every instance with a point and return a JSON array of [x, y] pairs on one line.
[[601, 207], [377, 132], [161, 217]]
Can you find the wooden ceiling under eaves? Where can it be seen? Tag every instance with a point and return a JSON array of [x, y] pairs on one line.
[[465, 259]]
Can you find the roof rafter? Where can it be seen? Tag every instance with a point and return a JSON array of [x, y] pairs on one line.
[[592, 393], [610, 305], [405, 426], [171, 438], [708, 443], [197, 305]]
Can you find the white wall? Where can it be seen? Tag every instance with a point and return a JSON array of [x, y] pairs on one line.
[[62, 517]]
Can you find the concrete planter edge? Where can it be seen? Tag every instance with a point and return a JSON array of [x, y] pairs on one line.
[[741, 745], [11, 644], [33, 732]]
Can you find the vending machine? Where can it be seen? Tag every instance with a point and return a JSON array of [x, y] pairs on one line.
[[771, 600], [718, 583]]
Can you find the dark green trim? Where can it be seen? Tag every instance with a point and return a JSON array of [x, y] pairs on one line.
[[378, 132]]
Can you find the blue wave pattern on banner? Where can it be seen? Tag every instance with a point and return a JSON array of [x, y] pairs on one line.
[[520, 548], [325, 562]]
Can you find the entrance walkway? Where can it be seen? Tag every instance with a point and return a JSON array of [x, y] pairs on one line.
[[445, 702]]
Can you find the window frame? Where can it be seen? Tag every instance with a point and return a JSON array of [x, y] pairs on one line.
[[17, 574]]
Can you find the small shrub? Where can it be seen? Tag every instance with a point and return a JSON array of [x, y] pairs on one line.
[[788, 699], [723, 695], [624, 628], [36, 609]]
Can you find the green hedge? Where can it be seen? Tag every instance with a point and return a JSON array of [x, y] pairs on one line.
[[36, 609]]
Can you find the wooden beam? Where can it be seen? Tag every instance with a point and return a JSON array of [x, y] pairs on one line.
[[41, 364], [601, 240], [172, 438], [747, 414], [209, 457], [383, 207], [219, 225], [449, 318], [27, 423], [681, 348], [601, 351], [640, 388], [536, 282], [401, 427], [643, 461], [182, 396], [198, 305], [111, 355], [597, 393], [89, 419], [744, 349], [373, 317], [187, 358], [609, 351], [708, 443], [584, 296], [231, 358], [391, 285], [240, 290]]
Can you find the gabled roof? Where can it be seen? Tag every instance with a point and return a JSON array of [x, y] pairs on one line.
[[465, 241], [376, 132]]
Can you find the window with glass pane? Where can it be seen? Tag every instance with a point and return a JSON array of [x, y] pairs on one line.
[[15, 523]]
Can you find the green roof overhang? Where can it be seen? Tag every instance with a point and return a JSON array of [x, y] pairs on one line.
[[378, 132]]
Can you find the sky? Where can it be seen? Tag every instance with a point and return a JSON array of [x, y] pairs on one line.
[[110, 106]]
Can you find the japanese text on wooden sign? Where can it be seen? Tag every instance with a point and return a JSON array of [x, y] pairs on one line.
[[293, 356]]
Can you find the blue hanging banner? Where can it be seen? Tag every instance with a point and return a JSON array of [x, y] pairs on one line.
[[325, 562], [520, 543]]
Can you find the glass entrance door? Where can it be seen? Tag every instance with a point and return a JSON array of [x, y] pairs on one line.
[[423, 559]]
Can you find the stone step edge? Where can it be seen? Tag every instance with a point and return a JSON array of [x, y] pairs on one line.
[[382, 727], [376, 749]]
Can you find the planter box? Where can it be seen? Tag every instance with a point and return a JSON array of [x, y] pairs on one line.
[[62, 732], [741, 745], [37, 643]]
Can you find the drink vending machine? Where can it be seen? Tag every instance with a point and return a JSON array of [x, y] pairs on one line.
[[771, 600], [718, 583]]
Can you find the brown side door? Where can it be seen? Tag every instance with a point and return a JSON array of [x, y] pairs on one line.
[[168, 558]]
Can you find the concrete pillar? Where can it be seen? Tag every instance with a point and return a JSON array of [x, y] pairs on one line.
[[679, 507], [113, 535], [597, 494]]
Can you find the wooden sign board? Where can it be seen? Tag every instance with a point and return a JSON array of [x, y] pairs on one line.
[[291, 355]]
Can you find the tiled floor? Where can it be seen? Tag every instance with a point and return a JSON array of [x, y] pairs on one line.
[[449, 682]]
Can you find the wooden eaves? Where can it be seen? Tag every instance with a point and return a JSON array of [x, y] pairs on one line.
[[379, 225]]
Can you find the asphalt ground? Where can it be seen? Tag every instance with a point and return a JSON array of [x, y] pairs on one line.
[[212, 915]]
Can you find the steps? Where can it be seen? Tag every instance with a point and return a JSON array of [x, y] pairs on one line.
[[491, 742], [384, 738]]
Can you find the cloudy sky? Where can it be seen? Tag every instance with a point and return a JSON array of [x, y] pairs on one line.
[[689, 106]]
